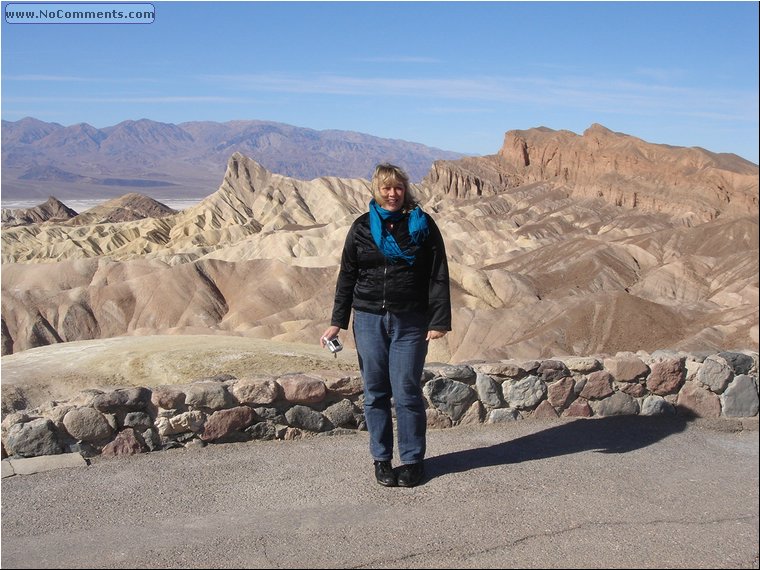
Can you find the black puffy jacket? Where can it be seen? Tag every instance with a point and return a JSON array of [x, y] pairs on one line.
[[369, 282]]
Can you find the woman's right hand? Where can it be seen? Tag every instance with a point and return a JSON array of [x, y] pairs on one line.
[[330, 332]]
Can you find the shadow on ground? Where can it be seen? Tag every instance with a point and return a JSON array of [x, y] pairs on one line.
[[616, 434]]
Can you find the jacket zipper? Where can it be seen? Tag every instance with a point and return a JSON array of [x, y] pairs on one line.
[[385, 279], [385, 270]]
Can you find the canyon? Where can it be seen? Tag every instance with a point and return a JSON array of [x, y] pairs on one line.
[[559, 245]]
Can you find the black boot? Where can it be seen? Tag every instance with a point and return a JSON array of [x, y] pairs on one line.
[[410, 475], [384, 473]]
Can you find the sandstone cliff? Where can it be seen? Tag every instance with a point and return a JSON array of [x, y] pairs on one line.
[[617, 168]]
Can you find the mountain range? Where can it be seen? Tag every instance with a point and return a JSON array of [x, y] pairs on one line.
[[183, 161], [558, 244]]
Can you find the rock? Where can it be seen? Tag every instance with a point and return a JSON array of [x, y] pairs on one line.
[[307, 419], [222, 425], [87, 425], [302, 388], [208, 394], [598, 386], [525, 393], [125, 443], [32, 439], [256, 391], [740, 398], [619, 404], [695, 400], [666, 376], [489, 391], [450, 396], [342, 414], [715, 373], [626, 367], [127, 399]]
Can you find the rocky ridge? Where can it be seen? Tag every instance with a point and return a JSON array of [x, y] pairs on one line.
[[538, 267], [127, 208], [619, 169], [52, 210]]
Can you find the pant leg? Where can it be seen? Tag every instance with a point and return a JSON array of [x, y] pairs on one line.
[[408, 349], [372, 344]]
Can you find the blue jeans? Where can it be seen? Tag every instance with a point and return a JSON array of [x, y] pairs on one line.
[[392, 348]]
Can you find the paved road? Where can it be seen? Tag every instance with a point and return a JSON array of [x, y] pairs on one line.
[[604, 493]]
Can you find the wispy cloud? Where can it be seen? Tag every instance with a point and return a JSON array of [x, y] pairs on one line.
[[661, 75], [465, 88], [397, 59], [32, 77], [160, 99], [614, 95], [449, 110], [78, 79]]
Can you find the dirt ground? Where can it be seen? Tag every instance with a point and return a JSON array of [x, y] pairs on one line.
[[60, 371]]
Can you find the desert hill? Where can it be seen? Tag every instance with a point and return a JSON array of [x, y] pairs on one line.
[[50, 210], [130, 207], [183, 161], [588, 258]]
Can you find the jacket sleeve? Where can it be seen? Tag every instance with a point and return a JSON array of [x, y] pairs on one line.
[[344, 288], [439, 295]]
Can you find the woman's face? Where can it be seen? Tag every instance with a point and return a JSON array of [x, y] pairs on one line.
[[390, 195]]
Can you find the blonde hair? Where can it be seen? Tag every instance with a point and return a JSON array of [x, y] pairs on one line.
[[386, 173]]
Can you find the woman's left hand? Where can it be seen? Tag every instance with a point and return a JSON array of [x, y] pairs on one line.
[[433, 335]]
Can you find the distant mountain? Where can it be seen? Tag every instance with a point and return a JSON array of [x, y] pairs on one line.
[[127, 208], [50, 210], [187, 160]]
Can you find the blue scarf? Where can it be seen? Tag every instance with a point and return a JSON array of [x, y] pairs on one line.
[[418, 231]]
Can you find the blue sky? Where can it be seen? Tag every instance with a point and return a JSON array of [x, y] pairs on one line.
[[453, 75]]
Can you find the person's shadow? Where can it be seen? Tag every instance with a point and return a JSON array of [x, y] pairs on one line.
[[614, 434]]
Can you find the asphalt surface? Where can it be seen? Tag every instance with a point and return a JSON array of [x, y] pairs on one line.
[[624, 492]]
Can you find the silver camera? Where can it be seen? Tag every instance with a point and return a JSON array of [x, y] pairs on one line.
[[334, 344]]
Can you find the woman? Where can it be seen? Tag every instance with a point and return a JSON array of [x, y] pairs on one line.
[[394, 274]]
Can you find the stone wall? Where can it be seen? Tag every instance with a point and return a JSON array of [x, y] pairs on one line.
[[226, 409]]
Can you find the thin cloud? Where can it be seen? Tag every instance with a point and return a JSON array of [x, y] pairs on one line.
[[79, 79], [610, 95], [397, 59], [660, 74], [162, 99], [32, 77], [465, 88], [446, 110]]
